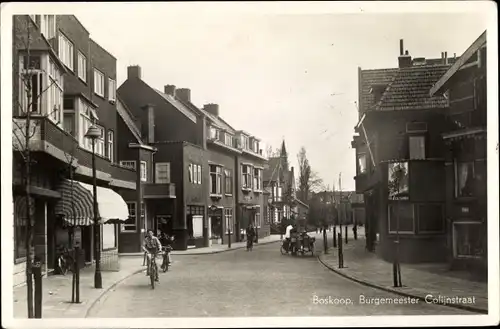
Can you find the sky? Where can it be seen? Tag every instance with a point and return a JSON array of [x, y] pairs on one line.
[[290, 76]]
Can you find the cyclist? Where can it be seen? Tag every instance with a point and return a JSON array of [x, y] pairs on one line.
[[152, 246]]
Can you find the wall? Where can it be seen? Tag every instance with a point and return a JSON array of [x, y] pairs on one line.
[[216, 155]]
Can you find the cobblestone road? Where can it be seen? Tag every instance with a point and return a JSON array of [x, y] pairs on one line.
[[258, 283]]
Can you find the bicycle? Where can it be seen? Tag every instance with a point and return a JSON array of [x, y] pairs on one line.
[[153, 270], [249, 244]]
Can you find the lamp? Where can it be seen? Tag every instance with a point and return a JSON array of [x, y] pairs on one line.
[[93, 133]]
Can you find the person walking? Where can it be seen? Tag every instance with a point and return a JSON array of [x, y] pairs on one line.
[[250, 236]]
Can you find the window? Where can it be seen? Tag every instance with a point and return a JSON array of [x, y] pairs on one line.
[[199, 174], [143, 212], [131, 224], [228, 217], [162, 173], [430, 218], [401, 217], [258, 219], [468, 239], [87, 117], [98, 82], [100, 143], [54, 93], [398, 178], [246, 177], [190, 172], [244, 142], [464, 179], [228, 182], [144, 171], [228, 140], [215, 180], [111, 90], [255, 146], [69, 116], [214, 133], [362, 163], [257, 179], [48, 26], [111, 149], [66, 51], [20, 221], [82, 67], [417, 147], [128, 164], [30, 79]]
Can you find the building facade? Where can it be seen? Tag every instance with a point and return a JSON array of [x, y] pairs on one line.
[[464, 84], [204, 158], [67, 83], [399, 158]]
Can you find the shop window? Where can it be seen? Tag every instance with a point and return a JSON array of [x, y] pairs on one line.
[[469, 239], [464, 179], [362, 163], [401, 218], [398, 178]]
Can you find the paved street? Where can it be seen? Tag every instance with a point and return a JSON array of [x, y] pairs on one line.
[[258, 283]]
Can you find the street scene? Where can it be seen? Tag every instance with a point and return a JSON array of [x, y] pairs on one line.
[[185, 163]]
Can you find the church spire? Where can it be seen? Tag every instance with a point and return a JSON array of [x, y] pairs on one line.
[[284, 156]]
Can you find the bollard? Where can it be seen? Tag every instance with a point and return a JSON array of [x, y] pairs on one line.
[[346, 234], [325, 242], [341, 252], [334, 236], [229, 240], [37, 274]]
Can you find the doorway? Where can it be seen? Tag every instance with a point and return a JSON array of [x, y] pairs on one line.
[[164, 223]]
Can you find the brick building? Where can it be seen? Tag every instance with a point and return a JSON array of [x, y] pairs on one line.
[[204, 157], [399, 157], [72, 87], [464, 84]]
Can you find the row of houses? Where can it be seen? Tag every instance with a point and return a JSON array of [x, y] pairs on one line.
[[172, 165], [421, 157]]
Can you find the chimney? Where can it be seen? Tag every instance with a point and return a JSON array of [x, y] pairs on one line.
[[445, 58], [212, 108], [134, 72], [184, 94], [404, 60], [169, 90], [401, 47], [148, 124]]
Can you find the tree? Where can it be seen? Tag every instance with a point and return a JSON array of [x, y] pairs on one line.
[[27, 72], [308, 180]]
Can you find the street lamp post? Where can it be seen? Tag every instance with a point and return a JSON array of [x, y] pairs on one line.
[[93, 133]]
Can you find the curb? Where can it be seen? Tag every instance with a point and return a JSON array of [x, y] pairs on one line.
[[105, 291], [397, 292], [206, 253]]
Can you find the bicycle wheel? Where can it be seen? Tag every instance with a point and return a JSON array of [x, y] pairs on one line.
[[152, 275], [283, 251]]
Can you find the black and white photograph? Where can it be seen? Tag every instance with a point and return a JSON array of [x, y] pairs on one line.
[[249, 164]]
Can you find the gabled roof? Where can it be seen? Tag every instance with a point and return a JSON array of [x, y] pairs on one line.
[[369, 78], [270, 173], [128, 118], [409, 89], [218, 121], [481, 41], [178, 105]]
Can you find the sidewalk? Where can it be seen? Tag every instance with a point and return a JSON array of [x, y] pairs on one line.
[[56, 302], [214, 249], [419, 280]]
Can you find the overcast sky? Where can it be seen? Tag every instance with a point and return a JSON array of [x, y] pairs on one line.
[[277, 76]]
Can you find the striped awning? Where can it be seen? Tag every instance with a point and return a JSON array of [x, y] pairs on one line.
[[76, 207]]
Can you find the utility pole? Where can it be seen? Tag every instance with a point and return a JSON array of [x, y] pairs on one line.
[[340, 202]]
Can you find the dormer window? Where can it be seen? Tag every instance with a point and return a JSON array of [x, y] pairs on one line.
[[214, 133], [377, 91], [255, 147], [244, 142], [228, 139]]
